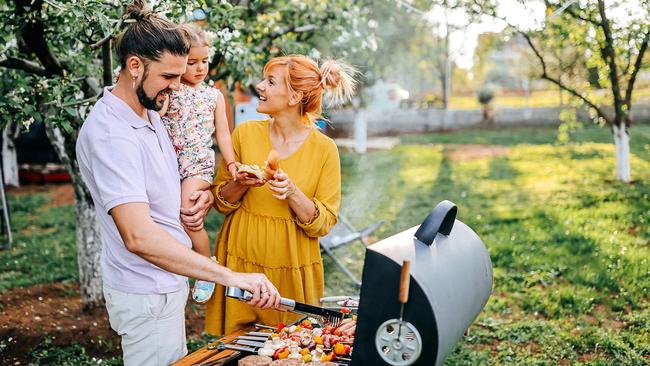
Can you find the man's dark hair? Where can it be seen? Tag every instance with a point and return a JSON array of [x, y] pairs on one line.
[[149, 36]]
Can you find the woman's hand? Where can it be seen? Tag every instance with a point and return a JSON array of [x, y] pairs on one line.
[[282, 185], [192, 218]]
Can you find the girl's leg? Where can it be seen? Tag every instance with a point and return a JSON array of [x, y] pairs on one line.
[[200, 241], [202, 290]]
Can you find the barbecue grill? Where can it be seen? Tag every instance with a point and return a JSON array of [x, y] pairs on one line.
[[450, 283], [421, 290]]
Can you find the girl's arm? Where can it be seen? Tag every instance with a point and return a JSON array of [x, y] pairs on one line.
[[224, 140]]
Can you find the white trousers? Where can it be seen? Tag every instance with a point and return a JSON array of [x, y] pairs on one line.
[[152, 327]]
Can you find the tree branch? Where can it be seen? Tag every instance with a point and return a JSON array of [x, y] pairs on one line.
[[24, 65], [290, 29], [75, 103], [32, 33], [609, 56], [92, 86], [111, 34], [637, 66], [628, 59], [558, 82], [545, 74], [570, 11]]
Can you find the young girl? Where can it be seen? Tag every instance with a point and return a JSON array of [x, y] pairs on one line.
[[193, 114]]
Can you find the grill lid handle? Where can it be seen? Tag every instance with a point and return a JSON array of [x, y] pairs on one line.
[[440, 220]]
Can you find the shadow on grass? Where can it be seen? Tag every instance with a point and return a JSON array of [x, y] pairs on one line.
[[501, 169]]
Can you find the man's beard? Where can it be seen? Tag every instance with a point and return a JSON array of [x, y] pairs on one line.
[[145, 100]]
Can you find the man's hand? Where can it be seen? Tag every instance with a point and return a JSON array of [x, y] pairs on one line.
[[193, 217]]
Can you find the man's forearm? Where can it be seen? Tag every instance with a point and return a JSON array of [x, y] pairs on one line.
[[143, 237], [160, 248]]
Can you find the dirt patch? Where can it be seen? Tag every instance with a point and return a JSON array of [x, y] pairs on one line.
[[473, 152], [30, 315], [633, 230], [604, 317], [60, 194]]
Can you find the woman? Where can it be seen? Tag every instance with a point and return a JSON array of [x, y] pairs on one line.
[[273, 227]]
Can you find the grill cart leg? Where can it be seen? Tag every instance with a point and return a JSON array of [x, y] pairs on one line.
[[341, 266]]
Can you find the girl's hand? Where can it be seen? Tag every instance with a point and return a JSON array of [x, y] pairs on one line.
[[245, 179], [282, 185], [232, 168]]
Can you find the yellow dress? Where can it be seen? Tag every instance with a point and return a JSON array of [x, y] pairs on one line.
[[261, 234]]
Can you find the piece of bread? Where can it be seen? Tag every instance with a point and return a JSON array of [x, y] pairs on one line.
[[266, 172], [253, 171], [255, 361]]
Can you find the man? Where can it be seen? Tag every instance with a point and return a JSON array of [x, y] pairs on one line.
[[129, 165]]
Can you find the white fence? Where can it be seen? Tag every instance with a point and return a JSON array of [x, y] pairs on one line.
[[429, 120]]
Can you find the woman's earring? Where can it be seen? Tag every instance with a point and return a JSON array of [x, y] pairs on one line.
[[135, 77]]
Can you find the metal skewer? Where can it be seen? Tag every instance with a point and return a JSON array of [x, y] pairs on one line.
[[404, 281]]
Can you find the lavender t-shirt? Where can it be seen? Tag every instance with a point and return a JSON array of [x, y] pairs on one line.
[[125, 159]]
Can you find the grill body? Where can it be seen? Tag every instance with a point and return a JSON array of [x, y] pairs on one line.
[[451, 281]]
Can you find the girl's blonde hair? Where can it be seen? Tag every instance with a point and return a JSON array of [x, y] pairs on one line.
[[304, 75], [196, 36]]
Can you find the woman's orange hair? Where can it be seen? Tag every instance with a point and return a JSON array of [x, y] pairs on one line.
[[304, 75]]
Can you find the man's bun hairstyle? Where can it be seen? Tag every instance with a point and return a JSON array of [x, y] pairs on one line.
[[149, 35]]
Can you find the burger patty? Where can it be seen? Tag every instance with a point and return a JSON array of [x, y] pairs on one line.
[[287, 362], [255, 361]]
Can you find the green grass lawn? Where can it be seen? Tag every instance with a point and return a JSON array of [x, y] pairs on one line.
[[569, 245]]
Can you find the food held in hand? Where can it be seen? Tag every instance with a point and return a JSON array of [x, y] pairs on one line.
[[271, 165], [266, 172]]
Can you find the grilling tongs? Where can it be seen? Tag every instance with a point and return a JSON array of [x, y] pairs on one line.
[[333, 317]]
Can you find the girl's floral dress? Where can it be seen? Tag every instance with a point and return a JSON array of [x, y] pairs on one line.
[[190, 124]]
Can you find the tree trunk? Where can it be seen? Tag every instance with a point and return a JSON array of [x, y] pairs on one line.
[[622, 142], [9, 156], [88, 240], [89, 250], [360, 130]]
